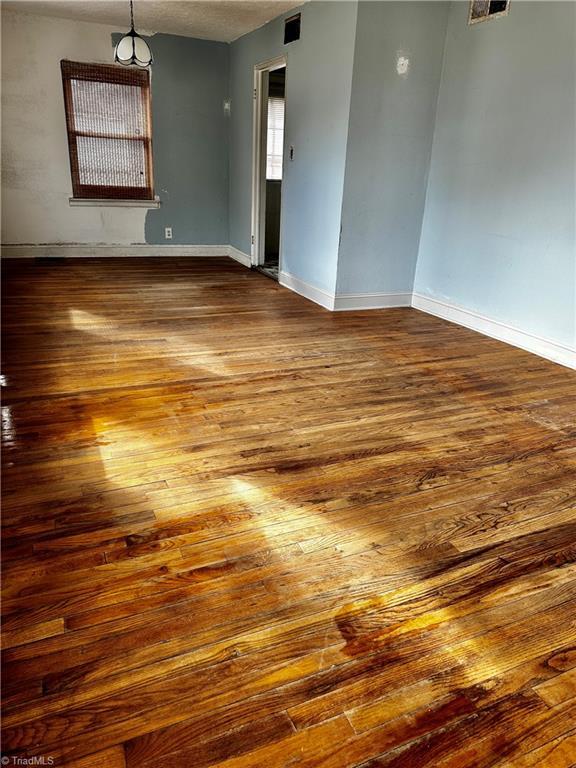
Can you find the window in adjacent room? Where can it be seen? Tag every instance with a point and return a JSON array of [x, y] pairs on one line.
[[275, 138], [480, 10], [109, 131]]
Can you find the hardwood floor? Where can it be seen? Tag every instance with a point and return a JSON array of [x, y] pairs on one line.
[[242, 531]]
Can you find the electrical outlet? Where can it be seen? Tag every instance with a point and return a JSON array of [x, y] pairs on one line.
[[167, 233]]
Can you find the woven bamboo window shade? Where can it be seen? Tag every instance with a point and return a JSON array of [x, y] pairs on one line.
[[109, 131]]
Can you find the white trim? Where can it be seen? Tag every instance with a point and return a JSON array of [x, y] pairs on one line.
[[88, 250], [351, 301], [278, 62], [86, 202], [550, 350], [496, 329], [311, 292], [239, 256]]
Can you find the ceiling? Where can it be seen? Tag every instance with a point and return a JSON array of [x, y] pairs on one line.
[[223, 20]]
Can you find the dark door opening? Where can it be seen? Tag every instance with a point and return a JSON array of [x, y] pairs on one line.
[[276, 102]]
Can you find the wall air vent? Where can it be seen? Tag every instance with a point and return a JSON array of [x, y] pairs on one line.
[[292, 29], [480, 10]]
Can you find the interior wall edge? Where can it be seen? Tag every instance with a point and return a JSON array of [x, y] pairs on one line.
[[498, 233], [239, 256], [496, 329], [308, 291], [545, 348], [390, 135]]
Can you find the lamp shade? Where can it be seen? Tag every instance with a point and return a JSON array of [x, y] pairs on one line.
[[132, 49]]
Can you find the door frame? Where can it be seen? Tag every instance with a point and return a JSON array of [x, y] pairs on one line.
[[259, 136]]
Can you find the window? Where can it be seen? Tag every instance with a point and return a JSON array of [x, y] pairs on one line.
[[275, 138], [480, 10], [109, 131]]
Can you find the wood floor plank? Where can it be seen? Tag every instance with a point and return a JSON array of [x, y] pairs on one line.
[[108, 758], [32, 633], [560, 689], [483, 738], [558, 753], [239, 530]]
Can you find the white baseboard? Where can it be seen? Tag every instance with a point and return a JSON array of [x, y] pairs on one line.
[[344, 301], [88, 250], [496, 329], [317, 295], [351, 301], [239, 256]]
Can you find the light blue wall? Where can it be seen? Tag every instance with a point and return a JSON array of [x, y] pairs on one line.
[[389, 143], [318, 87], [190, 140], [487, 223], [498, 230]]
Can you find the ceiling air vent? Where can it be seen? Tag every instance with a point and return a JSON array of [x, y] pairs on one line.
[[292, 29]]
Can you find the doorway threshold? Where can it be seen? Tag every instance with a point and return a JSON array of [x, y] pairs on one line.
[[270, 270]]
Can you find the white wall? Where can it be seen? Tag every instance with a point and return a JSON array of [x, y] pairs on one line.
[[35, 167], [498, 236], [318, 89], [389, 143]]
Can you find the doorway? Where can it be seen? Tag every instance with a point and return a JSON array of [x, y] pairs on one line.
[[268, 172]]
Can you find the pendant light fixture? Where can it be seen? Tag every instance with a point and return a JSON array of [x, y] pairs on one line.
[[133, 49]]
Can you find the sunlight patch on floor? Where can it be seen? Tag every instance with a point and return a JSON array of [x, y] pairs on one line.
[[90, 323]]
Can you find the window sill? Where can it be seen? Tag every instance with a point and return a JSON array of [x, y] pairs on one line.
[[83, 202]]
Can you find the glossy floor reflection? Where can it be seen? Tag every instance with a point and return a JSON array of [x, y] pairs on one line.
[[240, 530]]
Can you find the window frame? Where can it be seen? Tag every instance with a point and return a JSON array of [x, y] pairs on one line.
[[120, 75]]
